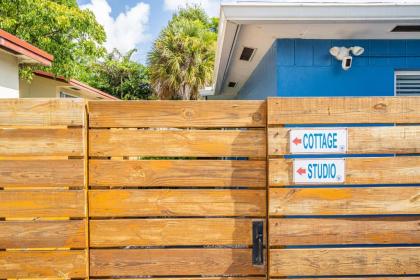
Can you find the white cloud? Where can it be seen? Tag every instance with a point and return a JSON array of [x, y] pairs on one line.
[[125, 31], [210, 6]]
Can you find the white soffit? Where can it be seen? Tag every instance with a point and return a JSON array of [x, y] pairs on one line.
[[258, 25]]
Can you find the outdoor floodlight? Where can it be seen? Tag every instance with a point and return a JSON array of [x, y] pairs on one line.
[[343, 54]]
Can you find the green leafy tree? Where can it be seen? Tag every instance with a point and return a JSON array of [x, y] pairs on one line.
[[59, 27], [182, 58], [118, 75], [214, 26]]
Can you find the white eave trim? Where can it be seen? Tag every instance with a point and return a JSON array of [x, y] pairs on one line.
[[225, 46], [286, 11]]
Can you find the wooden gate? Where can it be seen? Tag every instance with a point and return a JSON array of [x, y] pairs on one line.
[[368, 226], [175, 188]]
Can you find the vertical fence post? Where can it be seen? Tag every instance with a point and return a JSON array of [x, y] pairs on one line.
[[267, 188], [86, 186]]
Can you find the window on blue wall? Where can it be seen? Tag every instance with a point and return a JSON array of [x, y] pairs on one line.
[[407, 83]]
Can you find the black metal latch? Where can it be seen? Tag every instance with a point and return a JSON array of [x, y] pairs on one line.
[[257, 243]]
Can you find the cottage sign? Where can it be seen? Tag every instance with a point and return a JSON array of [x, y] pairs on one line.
[[319, 171], [318, 141]]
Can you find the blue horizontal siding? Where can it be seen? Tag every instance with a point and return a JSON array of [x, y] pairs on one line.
[[304, 68]]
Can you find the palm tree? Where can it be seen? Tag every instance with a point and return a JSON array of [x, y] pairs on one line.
[[182, 58]]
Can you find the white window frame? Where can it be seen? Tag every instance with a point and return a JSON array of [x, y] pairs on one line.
[[66, 93], [403, 73]]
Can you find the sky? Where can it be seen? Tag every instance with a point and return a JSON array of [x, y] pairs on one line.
[[136, 23]]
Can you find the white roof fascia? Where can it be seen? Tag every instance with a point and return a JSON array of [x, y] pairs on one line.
[[285, 11], [228, 32]]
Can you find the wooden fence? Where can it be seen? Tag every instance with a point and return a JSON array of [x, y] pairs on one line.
[[42, 195], [178, 189], [368, 225]]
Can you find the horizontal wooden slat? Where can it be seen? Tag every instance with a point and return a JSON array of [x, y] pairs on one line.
[[42, 234], [41, 142], [345, 261], [129, 203], [22, 204], [178, 143], [380, 170], [365, 278], [177, 173], [343, 110], [312, 231], [41, 173], [26, 264], [43, 112], [173, 262], [200, 278], [361, 140], [177, 113], [170, 232], [344, 201]]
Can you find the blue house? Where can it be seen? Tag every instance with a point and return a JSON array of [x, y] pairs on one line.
[[318, 48]]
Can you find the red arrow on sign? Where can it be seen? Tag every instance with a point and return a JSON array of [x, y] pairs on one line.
[[301, 171], [297, 141]]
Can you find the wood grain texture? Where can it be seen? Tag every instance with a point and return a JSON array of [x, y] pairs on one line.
[[27, 264], [41, 173], [344, 201], [42, 234], [173, 203], [200, 278], [366, 278], [41, 112], [25, 204], [177, 173], [379, 170], [170, 232], [361, 140], [345, 261], [173, 262], [314, 231], [177, 113], [343, 110], [41, 142], [178, 143]]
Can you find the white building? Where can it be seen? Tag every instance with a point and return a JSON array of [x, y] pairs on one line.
[[13, 52], [46, 85], [286, 48]]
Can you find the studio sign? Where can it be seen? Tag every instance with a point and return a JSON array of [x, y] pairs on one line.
[[318, 171], [318, 141]]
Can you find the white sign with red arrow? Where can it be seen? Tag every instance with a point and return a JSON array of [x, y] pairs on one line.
[[319, 171], [318, 141]]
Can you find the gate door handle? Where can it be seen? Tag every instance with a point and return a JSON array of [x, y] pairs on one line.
[[257, 243]]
